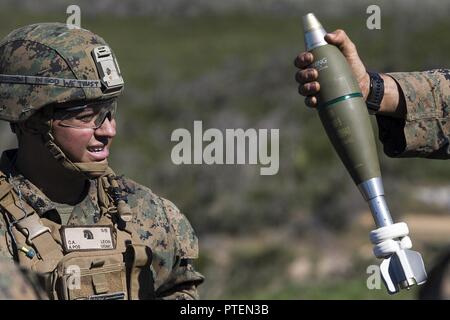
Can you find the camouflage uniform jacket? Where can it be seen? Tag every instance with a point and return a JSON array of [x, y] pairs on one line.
[[157, 221], [425, 130]]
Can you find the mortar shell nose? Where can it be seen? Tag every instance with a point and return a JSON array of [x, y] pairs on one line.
[[310, 22], [314, 33]]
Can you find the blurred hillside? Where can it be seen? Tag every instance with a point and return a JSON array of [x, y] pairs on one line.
[[302, 233]]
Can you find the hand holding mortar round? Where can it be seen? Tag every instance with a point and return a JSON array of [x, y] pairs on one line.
[[345, 118]]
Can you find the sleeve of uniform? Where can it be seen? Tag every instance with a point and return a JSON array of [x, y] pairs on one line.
[[184, 279], [425, 131]]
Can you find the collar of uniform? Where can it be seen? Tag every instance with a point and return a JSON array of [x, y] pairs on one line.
[[87, 210]]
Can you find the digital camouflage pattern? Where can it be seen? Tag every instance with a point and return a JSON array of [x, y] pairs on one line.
[[17, 284], [425, 132], [157, 221], [47, 50]]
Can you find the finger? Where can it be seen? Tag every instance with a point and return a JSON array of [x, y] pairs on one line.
[[340, 39], [309, 89], [303, 60], [306, 75], [311, 101]]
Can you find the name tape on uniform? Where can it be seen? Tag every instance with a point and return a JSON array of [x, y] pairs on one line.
[[87, 238]]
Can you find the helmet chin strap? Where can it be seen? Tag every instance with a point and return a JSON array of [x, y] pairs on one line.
[[90, 170]]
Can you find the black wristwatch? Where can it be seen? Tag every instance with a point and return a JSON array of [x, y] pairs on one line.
[[376, 92]]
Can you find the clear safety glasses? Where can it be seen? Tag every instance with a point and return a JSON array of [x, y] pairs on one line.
[[89, 116]]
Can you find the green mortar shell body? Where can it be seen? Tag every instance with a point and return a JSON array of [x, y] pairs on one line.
[[344, 114]]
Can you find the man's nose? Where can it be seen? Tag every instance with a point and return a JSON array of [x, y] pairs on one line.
[[108, 128]]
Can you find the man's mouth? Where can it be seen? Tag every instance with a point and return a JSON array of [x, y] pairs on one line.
[[98, 153], [96, 149]]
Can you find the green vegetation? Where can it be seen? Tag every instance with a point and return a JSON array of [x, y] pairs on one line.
[[341, 289]]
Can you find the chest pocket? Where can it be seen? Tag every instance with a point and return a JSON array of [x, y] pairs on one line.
[[93, 275]]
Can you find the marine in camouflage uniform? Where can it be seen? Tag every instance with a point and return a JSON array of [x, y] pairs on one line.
[[46, 68]]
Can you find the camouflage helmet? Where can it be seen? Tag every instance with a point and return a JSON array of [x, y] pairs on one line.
[[50, 63]]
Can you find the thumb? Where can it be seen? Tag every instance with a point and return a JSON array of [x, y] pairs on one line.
[[332, 38], [340, 39]]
